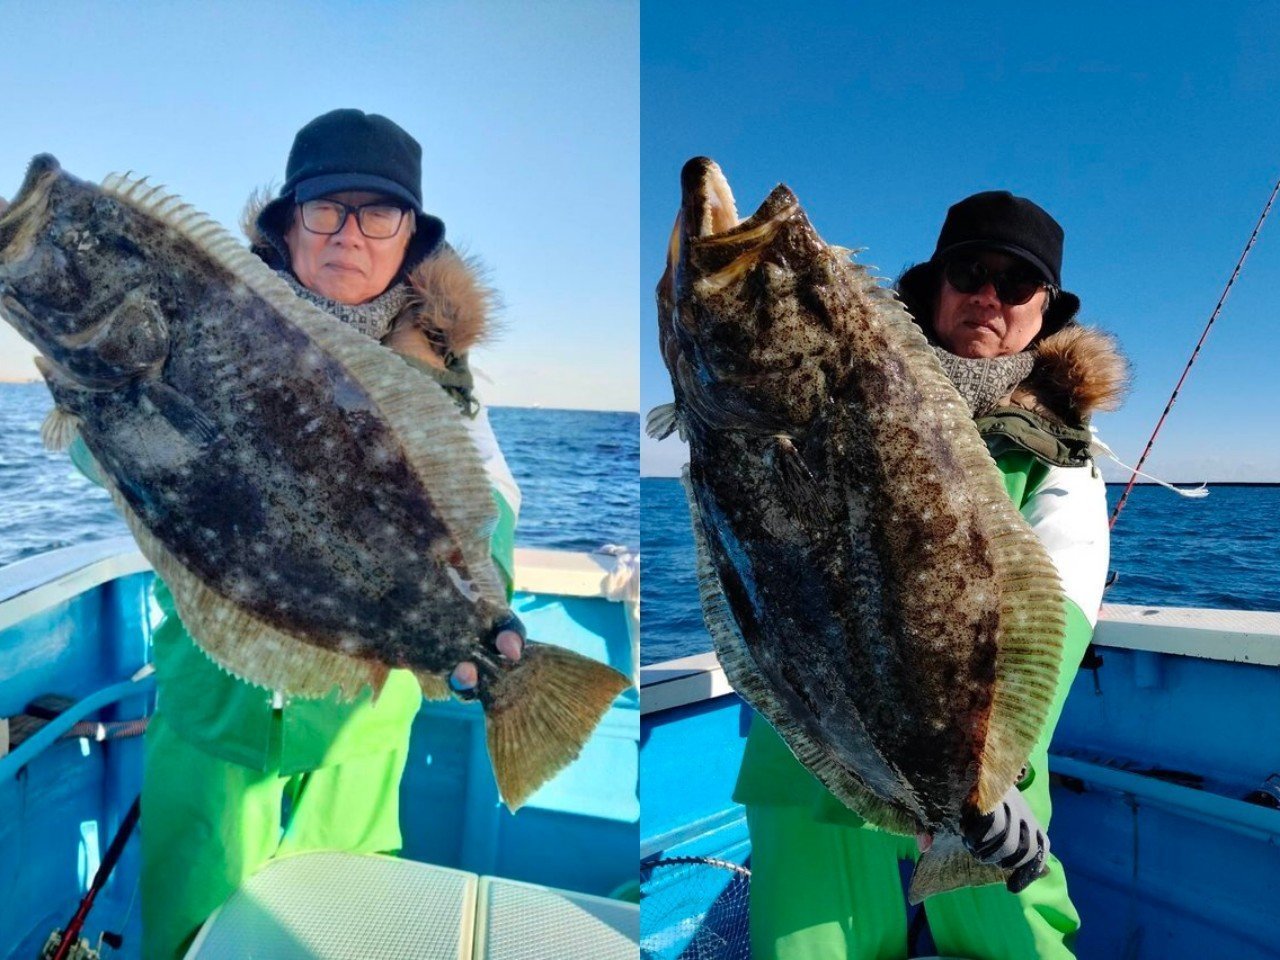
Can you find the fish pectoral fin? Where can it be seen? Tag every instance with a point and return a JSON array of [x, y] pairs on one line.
[[662, 421], [60, 429], [539, 714], [181, 413], [948, 865]]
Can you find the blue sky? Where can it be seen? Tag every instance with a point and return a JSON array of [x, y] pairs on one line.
[[528, 115], [1151, 132]]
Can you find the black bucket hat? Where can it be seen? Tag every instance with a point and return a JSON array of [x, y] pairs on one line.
[[995, 220], [353, 150]]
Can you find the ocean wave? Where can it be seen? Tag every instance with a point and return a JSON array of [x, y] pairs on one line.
[[574, 496]]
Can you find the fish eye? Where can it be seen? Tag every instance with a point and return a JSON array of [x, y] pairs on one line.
[[105, 218], [122, 244]]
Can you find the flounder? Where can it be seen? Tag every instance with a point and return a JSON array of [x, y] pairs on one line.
[[871, 589], [313, 501]]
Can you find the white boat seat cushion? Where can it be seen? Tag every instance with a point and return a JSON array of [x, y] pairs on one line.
[[523, 921], [344, 906]]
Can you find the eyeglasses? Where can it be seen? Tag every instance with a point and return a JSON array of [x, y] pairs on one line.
[[377, 221], [1014, 286]]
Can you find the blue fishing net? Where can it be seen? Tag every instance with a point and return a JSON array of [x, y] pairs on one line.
[[694, 908]]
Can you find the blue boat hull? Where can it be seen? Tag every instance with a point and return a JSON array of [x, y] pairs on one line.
[[1155, 754], [89, 633]]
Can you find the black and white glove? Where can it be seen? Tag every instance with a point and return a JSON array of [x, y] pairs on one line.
[[1008, 837]]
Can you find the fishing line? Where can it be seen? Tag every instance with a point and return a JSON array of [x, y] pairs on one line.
[[1194, 354]]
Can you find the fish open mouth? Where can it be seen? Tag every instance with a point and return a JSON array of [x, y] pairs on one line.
[[708, 204], [32, 193], [707, 207], [719, 246], [42, 166]]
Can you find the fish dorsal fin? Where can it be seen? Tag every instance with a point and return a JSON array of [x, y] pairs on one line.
[[1029, 659], [419, 411], [1032, 611]]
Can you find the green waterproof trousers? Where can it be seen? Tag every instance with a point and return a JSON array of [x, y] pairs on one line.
[[208, 823], [830, 891], [825, 886]]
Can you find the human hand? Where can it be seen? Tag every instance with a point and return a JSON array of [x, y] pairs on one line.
[[510, 643], [1008, 837]]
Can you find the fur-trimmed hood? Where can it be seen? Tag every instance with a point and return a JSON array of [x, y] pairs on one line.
[[451, 309], [1078, 371]]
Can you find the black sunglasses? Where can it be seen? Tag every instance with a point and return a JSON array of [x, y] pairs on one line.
[[1014, 286]]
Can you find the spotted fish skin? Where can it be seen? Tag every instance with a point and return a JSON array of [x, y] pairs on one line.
[[339, 549], [313, 501], [244, 501], [871, 589]]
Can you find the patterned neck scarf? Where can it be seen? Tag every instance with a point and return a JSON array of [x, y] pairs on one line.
[[983, 383], [373, 319]]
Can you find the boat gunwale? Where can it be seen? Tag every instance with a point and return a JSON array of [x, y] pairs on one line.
[[1234, 636], [31, 586]]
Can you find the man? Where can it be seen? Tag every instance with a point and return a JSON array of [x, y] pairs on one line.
[[236, 775], [823, 884]]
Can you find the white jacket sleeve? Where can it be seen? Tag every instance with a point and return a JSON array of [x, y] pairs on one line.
[[1068, 512], [495, 464]]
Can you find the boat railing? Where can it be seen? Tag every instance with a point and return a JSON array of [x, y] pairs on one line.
[[35, 584], [31, 587], [1236, 636]]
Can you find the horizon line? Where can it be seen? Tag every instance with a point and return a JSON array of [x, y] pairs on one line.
[[507, 406], [1109, 483]]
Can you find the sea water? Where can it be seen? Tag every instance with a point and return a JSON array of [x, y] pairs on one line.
[[1221, 551], [577, 470]]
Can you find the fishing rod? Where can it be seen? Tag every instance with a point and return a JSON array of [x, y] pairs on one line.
[[60, 946], [1194, 354]]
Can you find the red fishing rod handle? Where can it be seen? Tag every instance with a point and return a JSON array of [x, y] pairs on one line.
[[71, 934]]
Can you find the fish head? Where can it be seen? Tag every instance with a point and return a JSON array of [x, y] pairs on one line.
[[73, 278], [742, 326]]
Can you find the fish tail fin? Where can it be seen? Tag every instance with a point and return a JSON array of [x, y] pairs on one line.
[[948, 865], [539, 714]]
